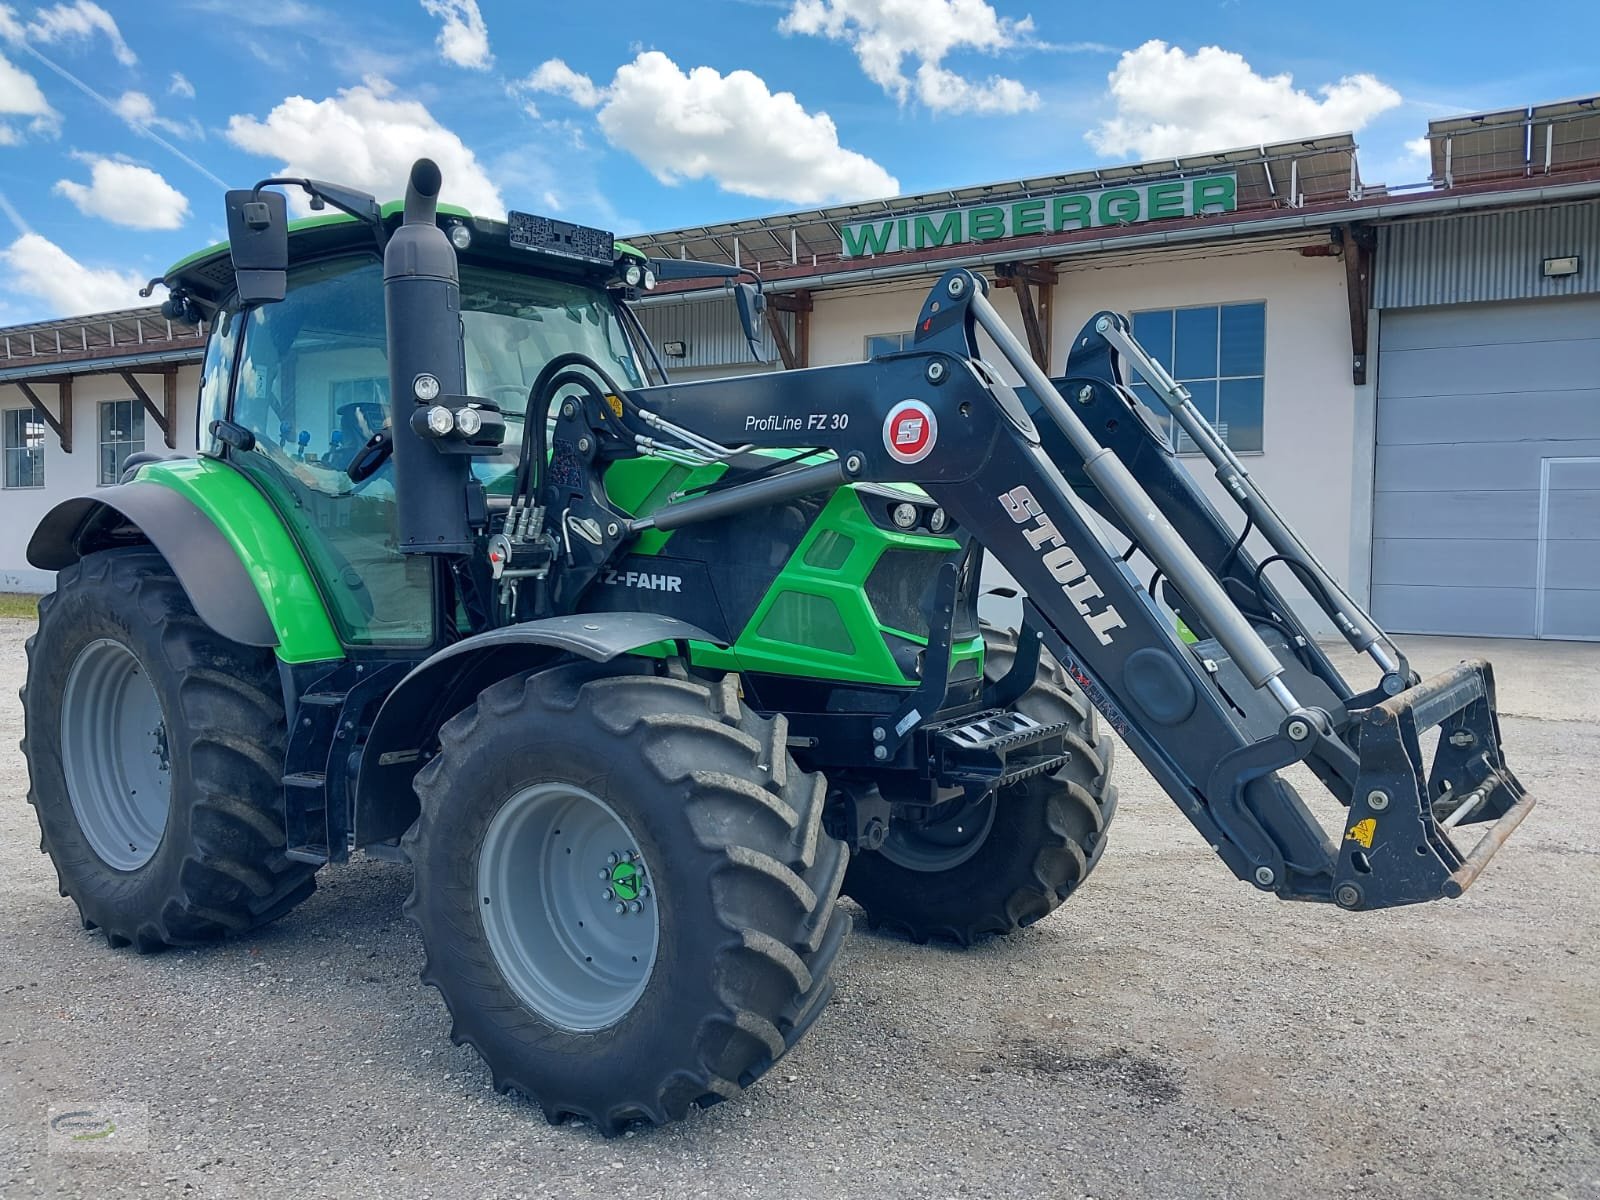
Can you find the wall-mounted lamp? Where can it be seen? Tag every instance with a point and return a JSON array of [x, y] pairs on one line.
[[681, 349], [1555, 268]]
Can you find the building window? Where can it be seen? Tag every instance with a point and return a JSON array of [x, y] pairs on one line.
[[24, 444], [121, 434], [888, 343], [1219, 353]]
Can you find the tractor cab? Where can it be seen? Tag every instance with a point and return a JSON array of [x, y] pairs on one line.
[[294, 391]]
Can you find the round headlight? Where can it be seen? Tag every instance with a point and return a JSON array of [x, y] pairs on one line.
[[905, 515], [649, 279], [634, 275], [938, 520], [460, 237], [440, 420], [469, 420], [425, 388]]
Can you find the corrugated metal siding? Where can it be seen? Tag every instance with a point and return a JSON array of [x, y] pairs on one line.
[[1488, 256], [710, 328]]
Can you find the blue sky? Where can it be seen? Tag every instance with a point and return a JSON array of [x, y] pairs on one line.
[[119, 122]]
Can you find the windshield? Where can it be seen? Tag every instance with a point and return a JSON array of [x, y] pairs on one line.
[[515, 324]]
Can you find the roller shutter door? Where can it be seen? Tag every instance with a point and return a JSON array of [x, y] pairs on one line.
[[1486, 513]]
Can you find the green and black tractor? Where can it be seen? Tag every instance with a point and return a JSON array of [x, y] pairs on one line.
[[641, 676]]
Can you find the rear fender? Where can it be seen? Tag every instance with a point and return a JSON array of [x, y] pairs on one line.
[[224, 541], [407, 726]]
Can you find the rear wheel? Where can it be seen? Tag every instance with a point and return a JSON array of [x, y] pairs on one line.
[[155, 752], [1006, 862], [624, 890]]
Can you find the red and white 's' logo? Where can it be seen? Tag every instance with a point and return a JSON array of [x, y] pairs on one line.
[[910, 431]]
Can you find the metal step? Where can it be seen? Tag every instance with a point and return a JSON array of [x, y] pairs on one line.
[[997, 749]]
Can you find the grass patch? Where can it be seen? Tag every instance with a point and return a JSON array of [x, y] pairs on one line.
[[19, 604]]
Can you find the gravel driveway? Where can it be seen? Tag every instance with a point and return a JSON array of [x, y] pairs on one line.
[[1168, 1033]]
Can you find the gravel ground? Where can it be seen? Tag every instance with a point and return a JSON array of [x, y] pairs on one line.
[[1168, 1033]]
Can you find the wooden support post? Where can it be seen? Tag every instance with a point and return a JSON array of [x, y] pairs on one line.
[[785, 351], [62, 424], [1359, 244], [796, 353], [169, 399], [1025, 279]]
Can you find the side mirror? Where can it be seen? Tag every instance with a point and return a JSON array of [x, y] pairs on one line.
[[752, 309], [258, 239]]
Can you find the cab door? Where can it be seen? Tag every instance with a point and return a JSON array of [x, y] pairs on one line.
[[312, 383]]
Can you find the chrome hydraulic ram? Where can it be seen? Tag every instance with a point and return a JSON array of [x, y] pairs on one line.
[[1358, 628], [1154, 534]]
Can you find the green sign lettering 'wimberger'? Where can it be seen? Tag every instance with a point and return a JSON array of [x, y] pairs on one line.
[[1043, 214]]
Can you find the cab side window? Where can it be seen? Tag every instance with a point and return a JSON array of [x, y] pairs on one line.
[[312, 385]]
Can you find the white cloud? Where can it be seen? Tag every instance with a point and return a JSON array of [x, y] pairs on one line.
[[945, 90], [20, 96], [41, 268], [884, 33], [80, 21], [364, 138], [126, 194], [464, 40], [728, 128], [1171, 103], [1420, 148], [181, 87], [139, 111], [555, 76]]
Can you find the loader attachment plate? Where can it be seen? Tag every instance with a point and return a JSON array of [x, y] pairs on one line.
[[1397, 846]]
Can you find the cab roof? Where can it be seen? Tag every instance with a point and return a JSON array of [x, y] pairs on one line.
[[207, 275]]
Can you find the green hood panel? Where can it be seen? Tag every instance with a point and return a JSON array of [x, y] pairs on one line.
[[257, 535]]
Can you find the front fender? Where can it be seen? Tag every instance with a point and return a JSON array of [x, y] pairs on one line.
[[442, 686], [224, 541]]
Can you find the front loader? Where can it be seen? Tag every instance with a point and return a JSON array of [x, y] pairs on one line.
[[641, 676]]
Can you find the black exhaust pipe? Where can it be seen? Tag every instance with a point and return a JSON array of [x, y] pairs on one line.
[[427, 366]]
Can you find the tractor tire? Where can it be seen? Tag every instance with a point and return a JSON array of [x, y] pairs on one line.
[[155, 760], [1020, 854], [624, 891]]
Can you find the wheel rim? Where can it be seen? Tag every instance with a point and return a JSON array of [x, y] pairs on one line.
[[555, 864], [939, 846], [114, 755]]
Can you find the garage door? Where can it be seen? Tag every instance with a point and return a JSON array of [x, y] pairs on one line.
[[1486, 513]]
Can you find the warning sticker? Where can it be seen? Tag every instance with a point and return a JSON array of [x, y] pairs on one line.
[[1362, 832], [910, 431]]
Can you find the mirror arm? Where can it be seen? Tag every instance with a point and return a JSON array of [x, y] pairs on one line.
[[359, 205]]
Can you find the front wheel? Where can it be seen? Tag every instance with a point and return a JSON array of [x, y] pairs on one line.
[[1016, 856], [624, 890]]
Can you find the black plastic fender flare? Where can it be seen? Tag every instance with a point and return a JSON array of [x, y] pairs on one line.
[[444, 684], [208, 568]]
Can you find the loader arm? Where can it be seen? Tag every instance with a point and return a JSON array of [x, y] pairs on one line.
[[1214, 724]]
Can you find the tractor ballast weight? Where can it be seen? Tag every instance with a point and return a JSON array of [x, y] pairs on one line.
[[640, 676]]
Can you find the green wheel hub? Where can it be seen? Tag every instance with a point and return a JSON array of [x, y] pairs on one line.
[[566, 906]]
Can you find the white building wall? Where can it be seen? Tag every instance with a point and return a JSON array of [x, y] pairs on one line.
[[67, 475]]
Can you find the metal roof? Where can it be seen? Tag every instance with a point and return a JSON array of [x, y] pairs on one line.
[[1283, 175], [85, 344]]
